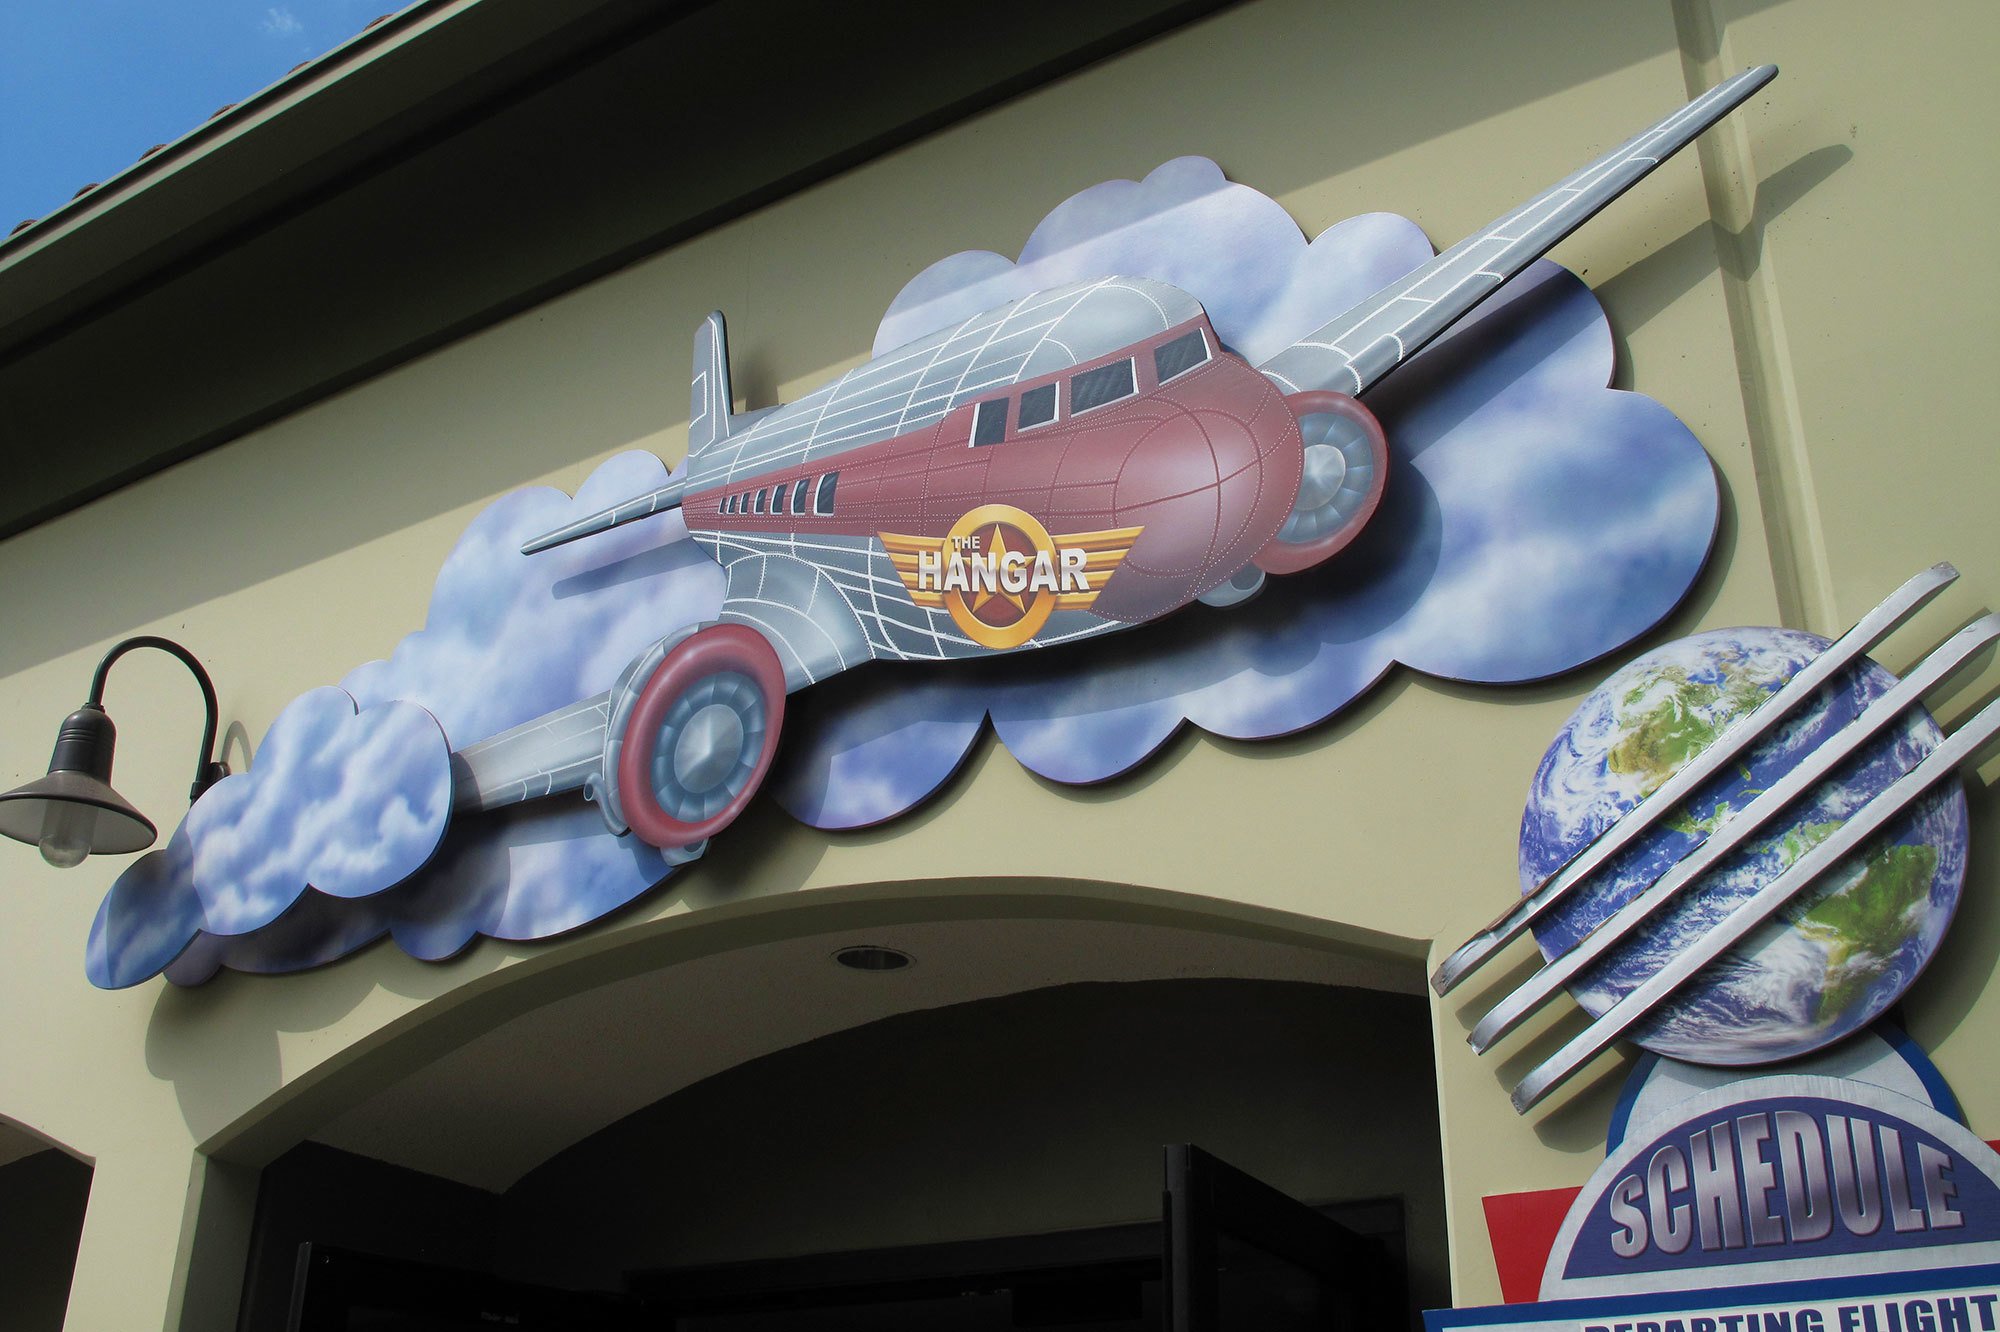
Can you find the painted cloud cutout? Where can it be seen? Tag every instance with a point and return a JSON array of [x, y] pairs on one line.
[[506, 639], [344, 803], [1534, 520], [348, 803], [147, 918]]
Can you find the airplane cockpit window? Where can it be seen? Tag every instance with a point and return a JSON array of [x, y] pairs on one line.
[[823, 498], [757, 501], [989, 422], [1105, 384], [799, 494], [728, 504], [1181, 355], [778, 498], [1038, 407]]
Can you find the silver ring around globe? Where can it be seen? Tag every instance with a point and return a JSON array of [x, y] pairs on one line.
[[1827, 963], [709, 745]]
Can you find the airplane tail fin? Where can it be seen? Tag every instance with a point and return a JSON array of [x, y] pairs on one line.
[[709, 419], [708, 386]]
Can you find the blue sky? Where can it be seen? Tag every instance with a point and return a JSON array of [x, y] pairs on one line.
[[88, 85]]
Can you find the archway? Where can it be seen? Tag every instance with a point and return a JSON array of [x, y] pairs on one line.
[[1299, 1047]]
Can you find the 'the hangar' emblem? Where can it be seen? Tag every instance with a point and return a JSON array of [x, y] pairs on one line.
[[1001, 575]]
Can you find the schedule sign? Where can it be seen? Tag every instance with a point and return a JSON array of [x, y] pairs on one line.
[[1792, 1177]]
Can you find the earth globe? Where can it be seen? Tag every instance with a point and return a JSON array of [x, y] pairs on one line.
[[1828, 962]]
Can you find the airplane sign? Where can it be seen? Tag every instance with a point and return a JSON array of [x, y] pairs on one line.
[[1067, 465]]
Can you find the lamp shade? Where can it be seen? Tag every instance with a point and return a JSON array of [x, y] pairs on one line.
[[73, 812]]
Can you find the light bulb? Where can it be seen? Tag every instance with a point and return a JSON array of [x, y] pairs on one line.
[[66, 829]]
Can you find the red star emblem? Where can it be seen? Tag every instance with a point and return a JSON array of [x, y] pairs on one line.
[[1002, 540]]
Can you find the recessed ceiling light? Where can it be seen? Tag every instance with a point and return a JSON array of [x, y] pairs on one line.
[[873, 957]]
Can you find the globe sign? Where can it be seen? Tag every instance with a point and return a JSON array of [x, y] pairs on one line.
[[1828, 962]]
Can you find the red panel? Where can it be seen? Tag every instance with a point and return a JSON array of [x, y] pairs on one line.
[[1037, 468], [1090, 505], [963, 484], [1522, 1228]]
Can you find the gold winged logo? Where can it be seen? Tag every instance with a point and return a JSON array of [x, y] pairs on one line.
[[1001, 575]]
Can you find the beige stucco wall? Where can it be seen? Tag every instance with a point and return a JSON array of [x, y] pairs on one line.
[[1828, 348]]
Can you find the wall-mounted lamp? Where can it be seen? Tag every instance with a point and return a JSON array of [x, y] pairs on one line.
[[73, 812]]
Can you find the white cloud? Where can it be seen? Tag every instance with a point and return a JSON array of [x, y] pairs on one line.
[[281, 22]]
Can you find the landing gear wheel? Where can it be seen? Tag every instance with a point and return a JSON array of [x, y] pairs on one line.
[[701, 736], [1346, 466]]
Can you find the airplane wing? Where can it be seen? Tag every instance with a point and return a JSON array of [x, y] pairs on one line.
[[1389, 327], [550, 754]]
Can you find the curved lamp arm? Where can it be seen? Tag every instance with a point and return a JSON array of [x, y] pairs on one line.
[[208, 772]]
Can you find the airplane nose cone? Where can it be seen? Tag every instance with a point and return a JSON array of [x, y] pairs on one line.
[[1209, 486]]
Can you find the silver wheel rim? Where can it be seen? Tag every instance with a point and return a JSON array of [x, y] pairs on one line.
[[1339, 473], [709, 745]]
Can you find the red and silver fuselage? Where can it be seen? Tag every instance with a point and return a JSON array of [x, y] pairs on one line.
[[1077, 461], [1196, 474]]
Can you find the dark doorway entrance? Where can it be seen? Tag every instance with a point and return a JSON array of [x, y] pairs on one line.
[[1231, 1254], [1033, 1116]]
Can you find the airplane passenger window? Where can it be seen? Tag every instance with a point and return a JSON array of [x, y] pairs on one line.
[[799, 494], [1105, 384], [778, 498], [1038, 407], [823, 500], [1181, 355], [989, 422], [757, 501], [728, 504]]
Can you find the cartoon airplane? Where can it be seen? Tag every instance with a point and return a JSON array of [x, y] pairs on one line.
[[1070, 464]]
